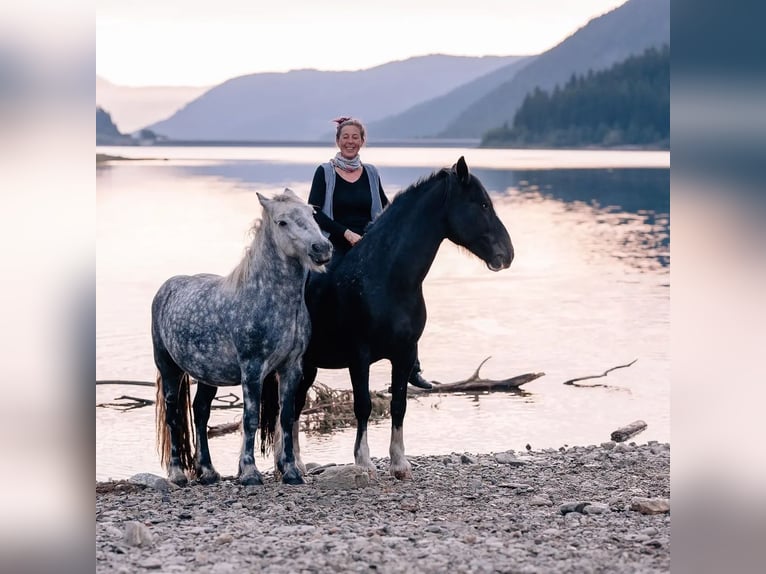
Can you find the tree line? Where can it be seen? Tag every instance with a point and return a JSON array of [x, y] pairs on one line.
[[625, 105]]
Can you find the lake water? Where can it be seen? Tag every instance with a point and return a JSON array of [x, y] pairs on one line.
[[587, 291]]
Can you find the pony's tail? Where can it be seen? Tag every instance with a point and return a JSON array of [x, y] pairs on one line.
[[185, 428], [269, 411]]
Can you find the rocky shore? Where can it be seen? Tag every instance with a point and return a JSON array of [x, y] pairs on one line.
[[601, 508]]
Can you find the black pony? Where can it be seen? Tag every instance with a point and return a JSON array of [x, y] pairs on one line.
[[370, 305]]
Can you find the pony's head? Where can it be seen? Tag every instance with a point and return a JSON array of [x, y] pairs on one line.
[[472, 221], [294, 229]]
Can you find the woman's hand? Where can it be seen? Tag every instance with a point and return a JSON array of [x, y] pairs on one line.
[[351, 237]]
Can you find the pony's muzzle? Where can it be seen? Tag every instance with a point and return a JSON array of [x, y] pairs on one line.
[[321, 252], [501, 260]]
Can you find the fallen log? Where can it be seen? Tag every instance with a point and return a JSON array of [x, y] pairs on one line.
[[476, 384], [123, 382], [224, 428], [327, 409], [624, 433]]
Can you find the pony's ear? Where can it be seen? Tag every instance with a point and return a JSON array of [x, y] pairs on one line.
[[290, 193], [462, 171], [265, 201]]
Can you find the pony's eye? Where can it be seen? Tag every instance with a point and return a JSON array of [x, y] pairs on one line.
[[484, 205], [281, 223]]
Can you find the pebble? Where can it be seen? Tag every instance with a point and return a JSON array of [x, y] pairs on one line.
[[137, 534], [509, 458], [596, 508], [650, 505], [460, 513], [540, 501]]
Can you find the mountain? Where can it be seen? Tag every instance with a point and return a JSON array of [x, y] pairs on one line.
[[428, 119], [133, 108], [107, 132], [627, 30], [300, 105]]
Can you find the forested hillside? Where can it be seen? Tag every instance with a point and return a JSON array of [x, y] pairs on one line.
[[628, 104], [625, 31]]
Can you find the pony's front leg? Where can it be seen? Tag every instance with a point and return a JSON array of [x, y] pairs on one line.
[[360, 381], [296, 449], [251, 397], [307, 379], [289, 377], [400, 374]]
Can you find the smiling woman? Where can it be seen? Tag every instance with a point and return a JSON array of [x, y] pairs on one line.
[[347, 196]]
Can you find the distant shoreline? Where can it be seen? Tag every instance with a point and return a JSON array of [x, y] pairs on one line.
[[104, 157]]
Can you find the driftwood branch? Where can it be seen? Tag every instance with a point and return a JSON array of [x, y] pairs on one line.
[[573, 382], [624, 433], [476, 384], [327, 409], [129, 404], [229, 401]]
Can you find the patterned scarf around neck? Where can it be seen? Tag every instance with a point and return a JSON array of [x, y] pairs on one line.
[[346, 164]]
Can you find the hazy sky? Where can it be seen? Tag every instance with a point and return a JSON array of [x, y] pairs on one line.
[[204, 42]]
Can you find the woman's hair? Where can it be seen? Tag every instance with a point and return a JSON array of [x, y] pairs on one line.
[[344, 121]]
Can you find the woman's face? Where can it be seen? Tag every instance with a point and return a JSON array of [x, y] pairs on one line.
[[350, 141]]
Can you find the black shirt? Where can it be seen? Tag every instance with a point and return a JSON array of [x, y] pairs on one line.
[[351, 205]]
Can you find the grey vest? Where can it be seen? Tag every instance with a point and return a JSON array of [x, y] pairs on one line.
[[372, 175]]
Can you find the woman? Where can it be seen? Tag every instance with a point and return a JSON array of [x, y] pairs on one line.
[[347, 195]]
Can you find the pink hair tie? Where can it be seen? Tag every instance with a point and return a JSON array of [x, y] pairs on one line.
[[341, 119]]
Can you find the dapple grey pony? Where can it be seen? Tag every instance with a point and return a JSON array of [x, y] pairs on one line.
[[234, 330]]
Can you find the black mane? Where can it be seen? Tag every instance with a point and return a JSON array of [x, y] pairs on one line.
[[405, 196], [433, 176]]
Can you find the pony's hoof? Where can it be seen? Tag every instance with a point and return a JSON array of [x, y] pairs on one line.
[[402, 474], [293, 477], [251, 480], [209, 477], [178, 477]]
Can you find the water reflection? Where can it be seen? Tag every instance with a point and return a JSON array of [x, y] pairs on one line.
[[629, 207]]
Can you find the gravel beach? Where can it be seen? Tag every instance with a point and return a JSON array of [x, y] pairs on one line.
[[600, 508]]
